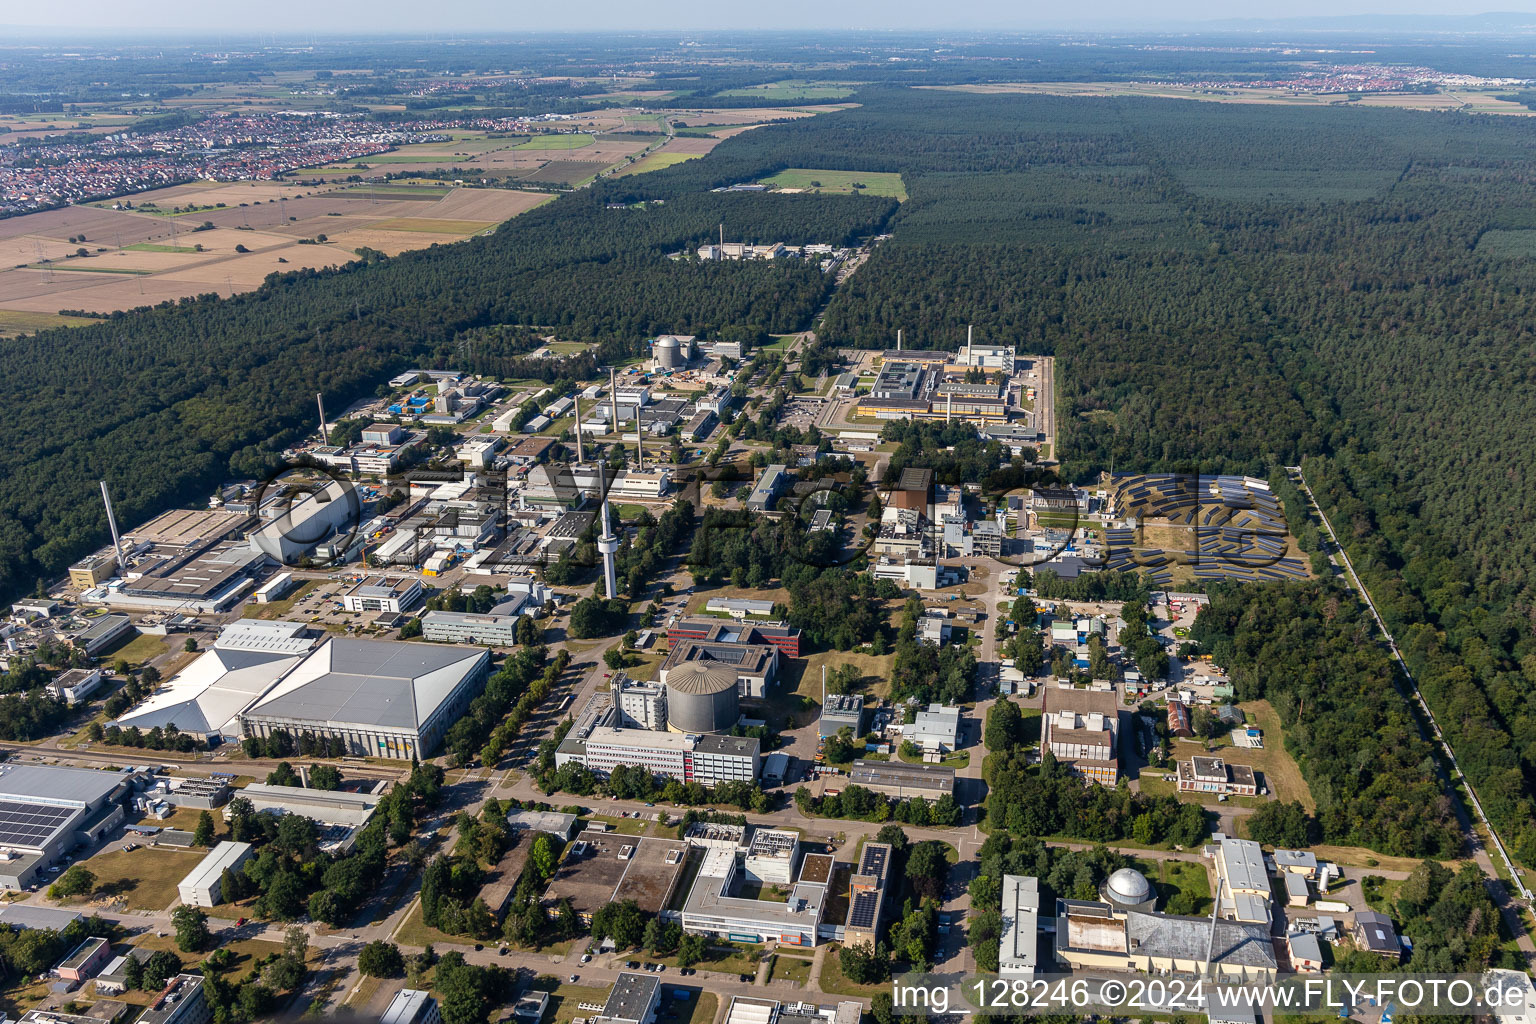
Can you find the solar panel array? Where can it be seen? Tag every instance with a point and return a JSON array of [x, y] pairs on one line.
[[862, 909], [28, 824], [1239, 527]]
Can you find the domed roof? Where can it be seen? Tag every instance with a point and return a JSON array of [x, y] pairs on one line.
[[697, 677], [1128, 886], [667, 341]]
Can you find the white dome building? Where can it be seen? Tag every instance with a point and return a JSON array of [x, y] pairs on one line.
[[1128, 889]]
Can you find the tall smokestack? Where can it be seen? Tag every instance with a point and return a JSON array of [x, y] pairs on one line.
[[898, 339], [579, 459], [968, 329], [117, 542], [949, 407], [325, 434], [613, 398]]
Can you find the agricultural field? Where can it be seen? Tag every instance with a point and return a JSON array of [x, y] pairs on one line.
[[658, 161], [794, 90], [868, 183], [223, 237], [1465, 100], [571, 141]]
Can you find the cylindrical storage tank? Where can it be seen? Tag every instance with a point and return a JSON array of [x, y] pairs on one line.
[[701, 698], [669, 354]]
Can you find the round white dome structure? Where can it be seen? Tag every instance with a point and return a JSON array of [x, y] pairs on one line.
[[1128, 889]]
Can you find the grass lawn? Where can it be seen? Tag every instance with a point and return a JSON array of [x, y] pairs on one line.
[[1175, 876], [17, 321], [623, 826], [1280, 772], [957, 759], [145, 879], [644, 665], [21, 994], [575, 141], [245, 951], [137, 651], [726, 957], [789, 968], [875, 183], [803, 675], [567, 999], [834, 982]]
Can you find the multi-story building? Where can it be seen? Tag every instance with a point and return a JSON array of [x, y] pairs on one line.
[[382, 594], [785, 639], [768, 488], [866, 896], [841, 711], [1215, 775], [1018, 952], [707, 759], [412, 1006], [469, 627], [201, 887], [643, 704], [1082, 731], [727, 902]]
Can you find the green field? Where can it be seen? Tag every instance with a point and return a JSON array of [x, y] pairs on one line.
[[875, 183], [659, 161], [157, 247], [794, 89], [575, 141], [17, 321]]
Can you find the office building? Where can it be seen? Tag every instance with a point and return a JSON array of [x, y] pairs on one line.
[[75, 684], [1018, 951], [754, 1010], [103, 632], [867, 888], [1082, 731], [706, 759], [181, 1002], [782, 638], [770, 484], [382, 594], [727, 902], [201, 887], [1215, 775], [85, 960], [412, 1006], [380, 698], [642, 704], [469, 627], [772, 856]]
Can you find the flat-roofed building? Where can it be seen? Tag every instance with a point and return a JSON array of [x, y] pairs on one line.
[[841, 711], [773, 855], [85, 960], [608, 867], [45, 812], [380, 698], [327, 806], [1018, 952], [633, 1000], [412, 1006], [707, 759], [867, 887], [1215, 775], [936, 729], [902, 781], [553, 822], [202, 886], [182, 1001], [727, 902], [1082, 731], [102, 633], [765, 493], [93, 570], [74, 685], [1244, 892], [382, 594], [469, 627]]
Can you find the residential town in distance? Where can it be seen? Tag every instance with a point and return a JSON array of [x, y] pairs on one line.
[[677, 688]]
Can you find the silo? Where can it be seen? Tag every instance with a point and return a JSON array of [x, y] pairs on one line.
[[701, 698], [668, 353]]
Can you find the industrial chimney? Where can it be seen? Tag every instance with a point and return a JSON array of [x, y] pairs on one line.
[[325, 435], [117, 542]]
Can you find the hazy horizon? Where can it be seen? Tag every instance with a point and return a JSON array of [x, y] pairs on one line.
[[92, 18]]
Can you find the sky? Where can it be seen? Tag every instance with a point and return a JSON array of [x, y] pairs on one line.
[[365, 17]]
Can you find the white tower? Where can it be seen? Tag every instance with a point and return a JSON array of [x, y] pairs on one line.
[[608, 543], [117, 542], [579, 458], [325, 434]]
